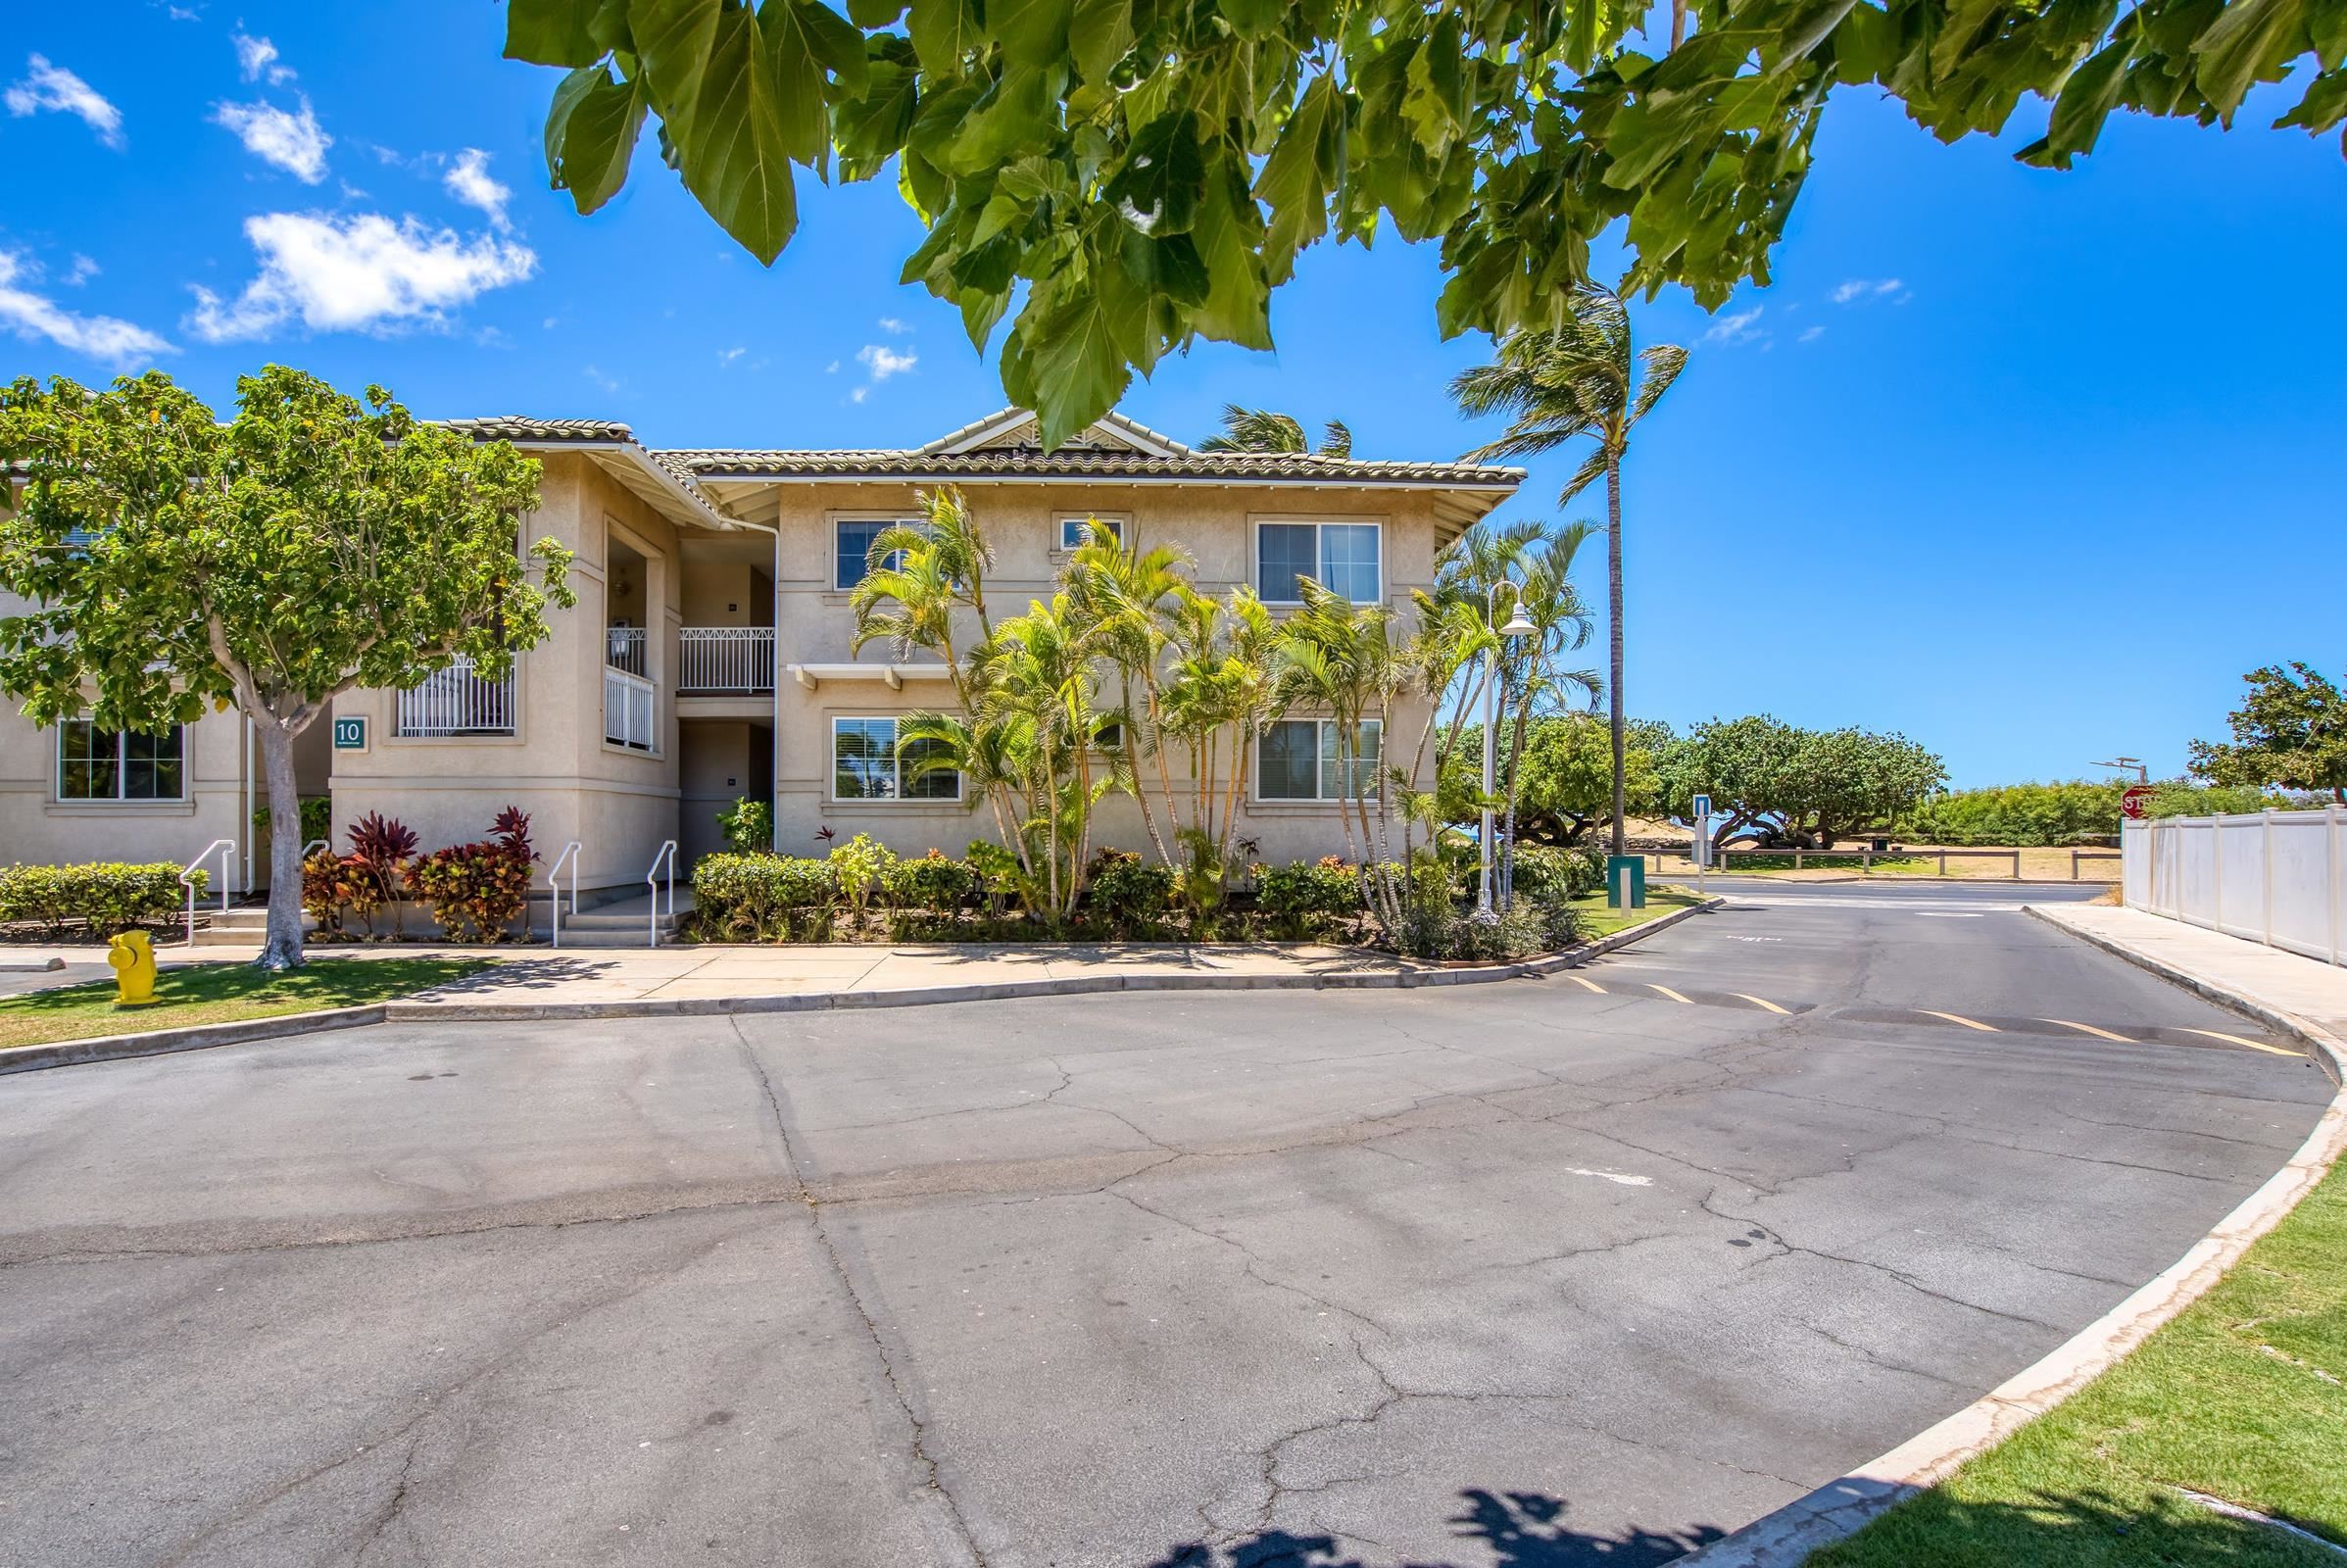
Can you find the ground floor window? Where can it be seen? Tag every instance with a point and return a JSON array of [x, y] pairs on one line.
[[1297, 759], [119, 764], [867, 765]]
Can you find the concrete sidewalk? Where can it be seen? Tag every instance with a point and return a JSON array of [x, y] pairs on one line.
[[541, 974], [2269, 983]]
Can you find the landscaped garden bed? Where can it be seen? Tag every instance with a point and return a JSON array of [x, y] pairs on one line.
[[220, 993], [92, 902]]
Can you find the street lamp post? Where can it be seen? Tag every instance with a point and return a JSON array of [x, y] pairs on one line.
[[1517, 626]]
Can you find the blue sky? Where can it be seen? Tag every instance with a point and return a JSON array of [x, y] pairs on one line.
[[2029, 465]]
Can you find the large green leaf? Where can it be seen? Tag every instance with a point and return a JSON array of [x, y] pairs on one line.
[[1300, 173], [2252, 41], [1229, 233], [1100, 36], [736, 148], [591, 134], [673, 39], [1032, 32], [564, 33], [796, 77], [943, 32], [1156, 191]]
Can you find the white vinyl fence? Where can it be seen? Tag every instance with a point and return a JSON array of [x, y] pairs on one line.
[[2276, 877]]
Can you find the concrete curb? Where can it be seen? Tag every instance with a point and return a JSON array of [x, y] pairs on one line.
[[200, 1037], [1841, 1506], [196, 1037]]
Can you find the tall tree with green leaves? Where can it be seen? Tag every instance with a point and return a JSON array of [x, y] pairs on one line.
[[1585, 379], [1136, 175], [311, 544], [2289, 733], [1247, 429]]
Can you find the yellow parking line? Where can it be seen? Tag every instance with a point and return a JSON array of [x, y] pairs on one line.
[[1969, 1023], [2236, 1040], [1587, 985], [1668, 992], [2090, 1029], [1760, 1002]]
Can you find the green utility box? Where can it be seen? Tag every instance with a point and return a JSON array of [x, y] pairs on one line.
[[1626, 881]]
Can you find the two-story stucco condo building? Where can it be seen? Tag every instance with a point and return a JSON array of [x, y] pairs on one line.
[[708, 658]]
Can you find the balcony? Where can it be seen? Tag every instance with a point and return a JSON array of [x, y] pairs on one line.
[[630, 708], [623, 649], [455, 702], [725, 660]]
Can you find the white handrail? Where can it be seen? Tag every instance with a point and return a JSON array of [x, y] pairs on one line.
[[187, 880], [554, 886], [667, 853], [313, 844]]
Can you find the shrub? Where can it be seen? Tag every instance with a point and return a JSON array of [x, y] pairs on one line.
[[932, 881], [317, 818], [477, 889], [381, 846], [859, 865], [108, 896], [748, 826], [766, 898], [1130, 894], [1554, 875], [332, 883], [1303, 900]]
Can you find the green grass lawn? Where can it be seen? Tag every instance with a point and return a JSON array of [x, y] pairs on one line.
[[1598, 919], [221, 993], [2243, 1397]]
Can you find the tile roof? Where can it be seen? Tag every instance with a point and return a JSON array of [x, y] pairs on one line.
[[1022, 463]]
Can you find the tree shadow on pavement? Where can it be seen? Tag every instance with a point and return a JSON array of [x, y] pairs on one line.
[[1516, 1529]]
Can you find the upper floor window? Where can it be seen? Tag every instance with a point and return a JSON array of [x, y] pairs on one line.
[[1075, 530], [1301, 760], [852, 547], [119, 764], [866, 765], [1344, 558]]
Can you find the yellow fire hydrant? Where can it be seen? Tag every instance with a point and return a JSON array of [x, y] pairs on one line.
[[132, 955]]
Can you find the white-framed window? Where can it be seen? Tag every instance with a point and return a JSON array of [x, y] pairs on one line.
[[1296, 759], [1072, 528], [119, 764], [1344, 558], [866, 765], [852, 547]]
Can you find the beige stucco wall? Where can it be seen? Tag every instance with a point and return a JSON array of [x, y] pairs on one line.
[[36, 827], [1215, 525], [619, 804]]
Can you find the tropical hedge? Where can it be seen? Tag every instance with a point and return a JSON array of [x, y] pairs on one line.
[[104, 897], [862, 891]]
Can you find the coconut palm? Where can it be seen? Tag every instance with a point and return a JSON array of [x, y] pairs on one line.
[[1265, 430], [1581, 379]]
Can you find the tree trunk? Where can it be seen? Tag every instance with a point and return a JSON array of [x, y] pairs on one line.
[[1613, 616], [281, 949]]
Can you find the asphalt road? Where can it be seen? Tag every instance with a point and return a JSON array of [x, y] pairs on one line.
[[1521, 1274]]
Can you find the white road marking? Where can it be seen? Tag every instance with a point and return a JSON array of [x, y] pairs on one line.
[[1761, 1001], [1954, 1018], [1615, 1177], [2236, 1040]]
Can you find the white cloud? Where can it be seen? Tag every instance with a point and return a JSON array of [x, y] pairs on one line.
[[1862, 288], [356, 274], [292, 142], [469, 181], [48, 86], [889, 324], [1812, 334], [182, 14], [117, 342], [833, 369], [608, 383], [883, 361], [859, 394], [1735, 328], [81, 271], [257, 56], [728, 356]]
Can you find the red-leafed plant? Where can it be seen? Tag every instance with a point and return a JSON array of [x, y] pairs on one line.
[[477, 889], [381, 846]]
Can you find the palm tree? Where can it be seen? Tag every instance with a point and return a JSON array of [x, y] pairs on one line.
[[1581, 379], [1263, 430]]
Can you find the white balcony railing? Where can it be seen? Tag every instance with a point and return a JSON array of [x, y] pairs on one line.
[[725, 659], [456, 702], [630, 710], [623, 649]]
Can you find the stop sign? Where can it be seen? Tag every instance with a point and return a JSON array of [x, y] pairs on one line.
[[2132, 803]]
